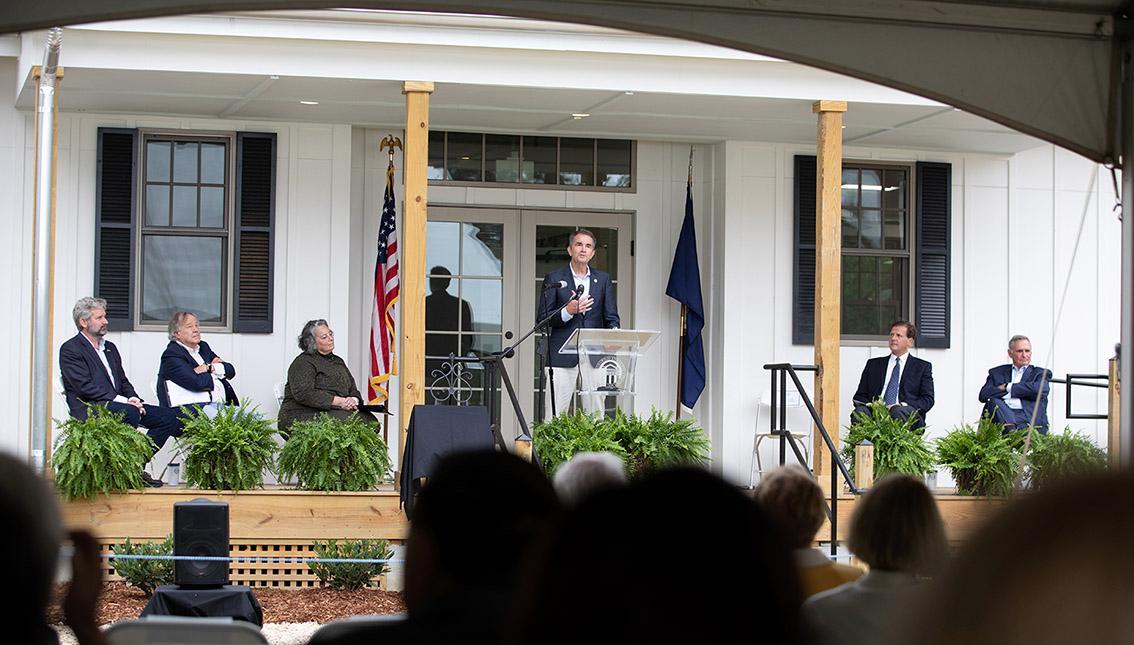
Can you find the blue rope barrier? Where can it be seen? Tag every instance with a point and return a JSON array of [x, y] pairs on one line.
[[273, 560]]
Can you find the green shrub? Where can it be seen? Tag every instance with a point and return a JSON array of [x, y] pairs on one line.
[[102, 454], [229, 451], [898, 448], [326, 453], [350, 575], [557, 439], [983, 460], [1058, 456], [659, 441], [146, 575]]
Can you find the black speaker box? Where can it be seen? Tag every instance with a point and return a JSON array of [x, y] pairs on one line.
[[200, 528]]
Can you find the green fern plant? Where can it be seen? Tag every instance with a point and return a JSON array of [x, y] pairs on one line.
[[898, 448], [330, 454], [659, 441], [350, 576], [557, 439], [229, 451], [984, 459], [1059, 456], [101, 454], [146, 575]]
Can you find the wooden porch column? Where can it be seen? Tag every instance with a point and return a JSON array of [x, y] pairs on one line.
[[828, 272], [412, 263]]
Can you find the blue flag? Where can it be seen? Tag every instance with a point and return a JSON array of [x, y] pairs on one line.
[[685, 287]]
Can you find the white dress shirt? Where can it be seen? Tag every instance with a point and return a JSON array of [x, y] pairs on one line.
[[585, 281], [1017, 376], [181, 396]]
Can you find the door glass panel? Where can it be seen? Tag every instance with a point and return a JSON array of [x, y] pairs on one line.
[[483, 249], [482, 305], [442, 247]]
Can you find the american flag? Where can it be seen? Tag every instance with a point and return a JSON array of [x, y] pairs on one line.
[[383, 362]]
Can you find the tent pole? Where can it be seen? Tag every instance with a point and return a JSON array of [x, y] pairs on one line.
[[1126, 365]]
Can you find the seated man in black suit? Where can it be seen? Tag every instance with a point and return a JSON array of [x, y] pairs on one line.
[[191, 373], [903, 382], [92, 373], [1010, 393]]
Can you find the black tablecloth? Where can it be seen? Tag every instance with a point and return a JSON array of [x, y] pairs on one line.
[[435, 431], [233, 601]]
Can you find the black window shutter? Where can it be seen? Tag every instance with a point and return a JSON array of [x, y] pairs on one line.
[[114, 224], [931, 288], [803, 311], [255, 239]]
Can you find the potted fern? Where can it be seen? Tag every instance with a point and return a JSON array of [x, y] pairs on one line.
[[1059, 456], [984, 459], [350, 576], [229, 451], [659, 441], [897, 447], [330, 454], [557, 439], [101, 454]]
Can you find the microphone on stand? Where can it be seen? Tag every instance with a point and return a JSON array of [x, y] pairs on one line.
[[555, 285]]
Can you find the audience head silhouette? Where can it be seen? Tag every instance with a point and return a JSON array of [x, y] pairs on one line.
[[623, 567], [587, 473], [896, 527], [794, 500]]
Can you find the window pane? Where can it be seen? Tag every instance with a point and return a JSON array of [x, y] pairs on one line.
[[212, 163], [614, 162], [184, 206], [850, 188], [212, 207], [157, 161], [894, 190], [871, 189], [606, 251], [539, 160], [577, 162], [485, 299], [895, 229], [185, 161], [442, 247], [464, 156], [873, 294], [551, 250], [502, 158], [850, 229], [439, 345], [871, 229], [182, 272], [436, 155], [157, 205], [442, 306], [482, 251]]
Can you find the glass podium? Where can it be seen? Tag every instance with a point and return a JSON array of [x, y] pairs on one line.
[[608, 360]]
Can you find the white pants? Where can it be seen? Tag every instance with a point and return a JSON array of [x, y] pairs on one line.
[[566, 382]]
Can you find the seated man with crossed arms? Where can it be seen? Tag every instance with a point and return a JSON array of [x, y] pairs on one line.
[[191, 373], [1011, 391]]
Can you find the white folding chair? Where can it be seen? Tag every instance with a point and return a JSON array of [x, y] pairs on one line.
[[180, 630], [278, 390], [794, 404]]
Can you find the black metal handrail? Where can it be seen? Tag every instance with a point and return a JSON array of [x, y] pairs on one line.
[[779, 413], [1077, 379]]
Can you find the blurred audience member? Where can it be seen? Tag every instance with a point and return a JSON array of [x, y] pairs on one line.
[[1052, 568], [794, 500], [897, 530], [29, 510], [624, 567], [587, 473]]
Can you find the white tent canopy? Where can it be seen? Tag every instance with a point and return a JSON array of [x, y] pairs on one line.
[[1049, 68]]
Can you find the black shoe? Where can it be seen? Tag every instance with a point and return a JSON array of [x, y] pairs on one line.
[[150, 482]]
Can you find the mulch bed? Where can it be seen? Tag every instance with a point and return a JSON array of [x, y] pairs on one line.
[[317, 605]]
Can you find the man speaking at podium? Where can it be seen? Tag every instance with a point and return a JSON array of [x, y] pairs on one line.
[[584, 298]]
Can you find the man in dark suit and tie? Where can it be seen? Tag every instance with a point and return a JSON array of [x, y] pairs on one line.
[[191, 373], [1011, 391], [586, 300], [92, 373], [903, 382]]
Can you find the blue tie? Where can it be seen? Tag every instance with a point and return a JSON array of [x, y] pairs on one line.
[[890, 397]]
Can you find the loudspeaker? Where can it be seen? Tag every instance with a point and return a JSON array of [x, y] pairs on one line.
[[200, 528]]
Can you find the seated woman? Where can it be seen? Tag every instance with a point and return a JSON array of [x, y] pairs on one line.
[[318, 381], [191, 373]]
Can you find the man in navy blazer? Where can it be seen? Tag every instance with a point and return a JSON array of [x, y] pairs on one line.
[[1011, 391], [580, 297], [91, 369], [902, 381], [191, 373]]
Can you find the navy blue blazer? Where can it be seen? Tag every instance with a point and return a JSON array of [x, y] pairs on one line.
[[603, 313], [177, 366], [85, 380], [1027, 390], [915, 389]]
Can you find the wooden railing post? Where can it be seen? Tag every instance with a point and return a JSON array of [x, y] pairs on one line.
[[1113, 416], [828, 272], [864, 465]]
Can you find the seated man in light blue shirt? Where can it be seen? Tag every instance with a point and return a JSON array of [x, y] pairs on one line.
[[1014, 392]]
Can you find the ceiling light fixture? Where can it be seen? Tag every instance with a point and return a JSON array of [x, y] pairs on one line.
[[274, 77], [579, 115], [310, 102]]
